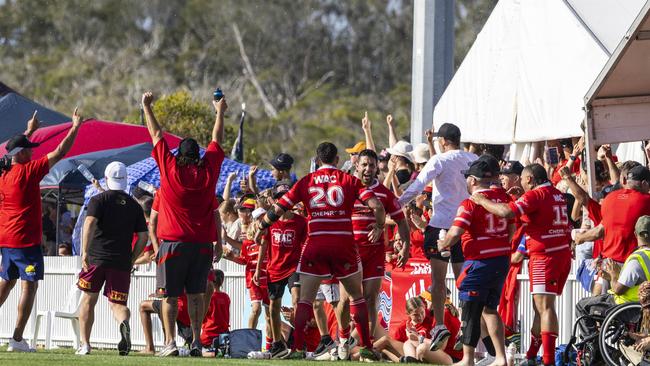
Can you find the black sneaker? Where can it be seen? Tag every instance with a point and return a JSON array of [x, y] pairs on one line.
[[439, 334], [409, 359], [279, 350], [124, 347], [196, 349], [324, 346]]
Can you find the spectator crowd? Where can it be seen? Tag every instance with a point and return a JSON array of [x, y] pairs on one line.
[[329, 237]]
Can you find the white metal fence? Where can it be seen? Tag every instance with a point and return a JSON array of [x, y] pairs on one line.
[[60, 277]]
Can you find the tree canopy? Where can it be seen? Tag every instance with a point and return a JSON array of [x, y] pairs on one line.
[[307, 70]]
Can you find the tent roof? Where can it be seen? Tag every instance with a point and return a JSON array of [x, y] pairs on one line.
[[5, 89], [93, 136], [16, 110], [65, 174], [619, 100], [527, 72]]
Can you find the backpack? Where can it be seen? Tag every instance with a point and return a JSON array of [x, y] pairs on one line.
[[238, 343]]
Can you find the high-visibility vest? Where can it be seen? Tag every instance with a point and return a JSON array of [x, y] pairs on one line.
[[632, 294]]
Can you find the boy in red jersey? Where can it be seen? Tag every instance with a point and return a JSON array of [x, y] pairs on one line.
[[283, 244], [373, 253], [329, 195], [486, 248], [544, 211]]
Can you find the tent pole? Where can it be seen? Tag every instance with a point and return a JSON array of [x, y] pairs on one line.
[[58, 217], [591, 150]]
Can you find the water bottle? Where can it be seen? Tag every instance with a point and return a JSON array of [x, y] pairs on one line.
[[86, 173], [511, 352], [147, 187], [441, 235]]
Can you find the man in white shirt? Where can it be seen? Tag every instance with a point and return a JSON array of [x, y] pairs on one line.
[[449, 190]]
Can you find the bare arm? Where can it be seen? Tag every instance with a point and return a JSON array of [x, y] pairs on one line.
[[220, 108], [499, 209], [380, 219], [152, 124], [90, 225], [139, 246], [614, 173], [216, 246], [252, 180], [429, 136], [261, 255], [392, 138], [226, 191], [32, 125], [405, 235], [453, 236], [366, 125], [516, 257], [153, 226], [592, 234], [66, 144]]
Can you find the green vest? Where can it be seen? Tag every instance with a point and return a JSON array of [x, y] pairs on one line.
[[632, 294]]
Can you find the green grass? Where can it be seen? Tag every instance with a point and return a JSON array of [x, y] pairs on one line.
[[99, 357]]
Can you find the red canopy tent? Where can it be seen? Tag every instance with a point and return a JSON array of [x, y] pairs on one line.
[[93, 136]]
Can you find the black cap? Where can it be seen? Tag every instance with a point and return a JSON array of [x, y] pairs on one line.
[[449, 132], [282, 162], [512, 167], [639, 173], [18, 143], [487, 166], [280, 188], [189, 148]]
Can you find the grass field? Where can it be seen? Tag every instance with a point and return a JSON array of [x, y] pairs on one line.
[[67, 357]]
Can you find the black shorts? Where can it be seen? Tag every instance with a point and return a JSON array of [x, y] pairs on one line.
[[276, 289], [183, 267], [431, 236]]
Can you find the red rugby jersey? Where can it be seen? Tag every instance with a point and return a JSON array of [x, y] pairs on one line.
[[544, 212], [249, 253], [285, 239], [363, 216], [328, 195], [486, 234]]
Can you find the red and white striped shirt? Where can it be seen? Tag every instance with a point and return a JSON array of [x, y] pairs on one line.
[[363, 216], [328, 195]]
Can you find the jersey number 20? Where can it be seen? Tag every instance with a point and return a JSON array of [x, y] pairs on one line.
[[334, 197]]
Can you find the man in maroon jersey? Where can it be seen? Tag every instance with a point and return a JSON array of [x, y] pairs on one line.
[[373, 253], [329, 195], [283, 244], [543, 210], [486, 247]]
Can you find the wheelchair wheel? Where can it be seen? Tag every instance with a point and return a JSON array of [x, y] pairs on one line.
[[613, 332]]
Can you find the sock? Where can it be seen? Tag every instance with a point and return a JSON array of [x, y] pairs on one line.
[[533, 349], [359, 312], [489, 346], [344, 334], [326, 339], [304, 313], [548, 343], [268, 343]]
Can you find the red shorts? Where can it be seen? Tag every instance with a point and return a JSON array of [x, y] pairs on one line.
[[117, 282], [548, 274], [372, 261], [329, 257], [259, 294]]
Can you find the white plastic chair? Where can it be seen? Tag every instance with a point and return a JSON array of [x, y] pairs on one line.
[[71, 313]]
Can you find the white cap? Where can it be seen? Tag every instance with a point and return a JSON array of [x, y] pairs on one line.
[[401, 148], [258, 212], [421, 153], [116, 176]]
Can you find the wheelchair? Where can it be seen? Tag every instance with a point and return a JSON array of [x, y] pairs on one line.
[[605, 347]]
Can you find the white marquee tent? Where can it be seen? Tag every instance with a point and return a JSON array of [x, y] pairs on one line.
[[527, 73]]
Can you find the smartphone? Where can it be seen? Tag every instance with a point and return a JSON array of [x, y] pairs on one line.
[[552, 155], [217, 95]]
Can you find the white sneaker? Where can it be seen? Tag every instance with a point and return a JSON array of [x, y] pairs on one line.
[[83, 350], [21, 346], [345, 347], [169, 350]]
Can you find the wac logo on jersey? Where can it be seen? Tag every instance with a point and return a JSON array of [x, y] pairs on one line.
[[320, 179], [283, 238]]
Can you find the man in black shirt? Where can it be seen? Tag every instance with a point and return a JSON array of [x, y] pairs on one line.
[[107, 255]]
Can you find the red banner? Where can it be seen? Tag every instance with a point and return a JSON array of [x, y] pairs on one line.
[[398, 286]]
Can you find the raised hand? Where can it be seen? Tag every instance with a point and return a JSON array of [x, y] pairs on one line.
[[231, 177], [579, 147], [389, 120], [147, 99], [221, 106], [429, 135], [77, 119], [252, 170], [32, 124], [366, 124]]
